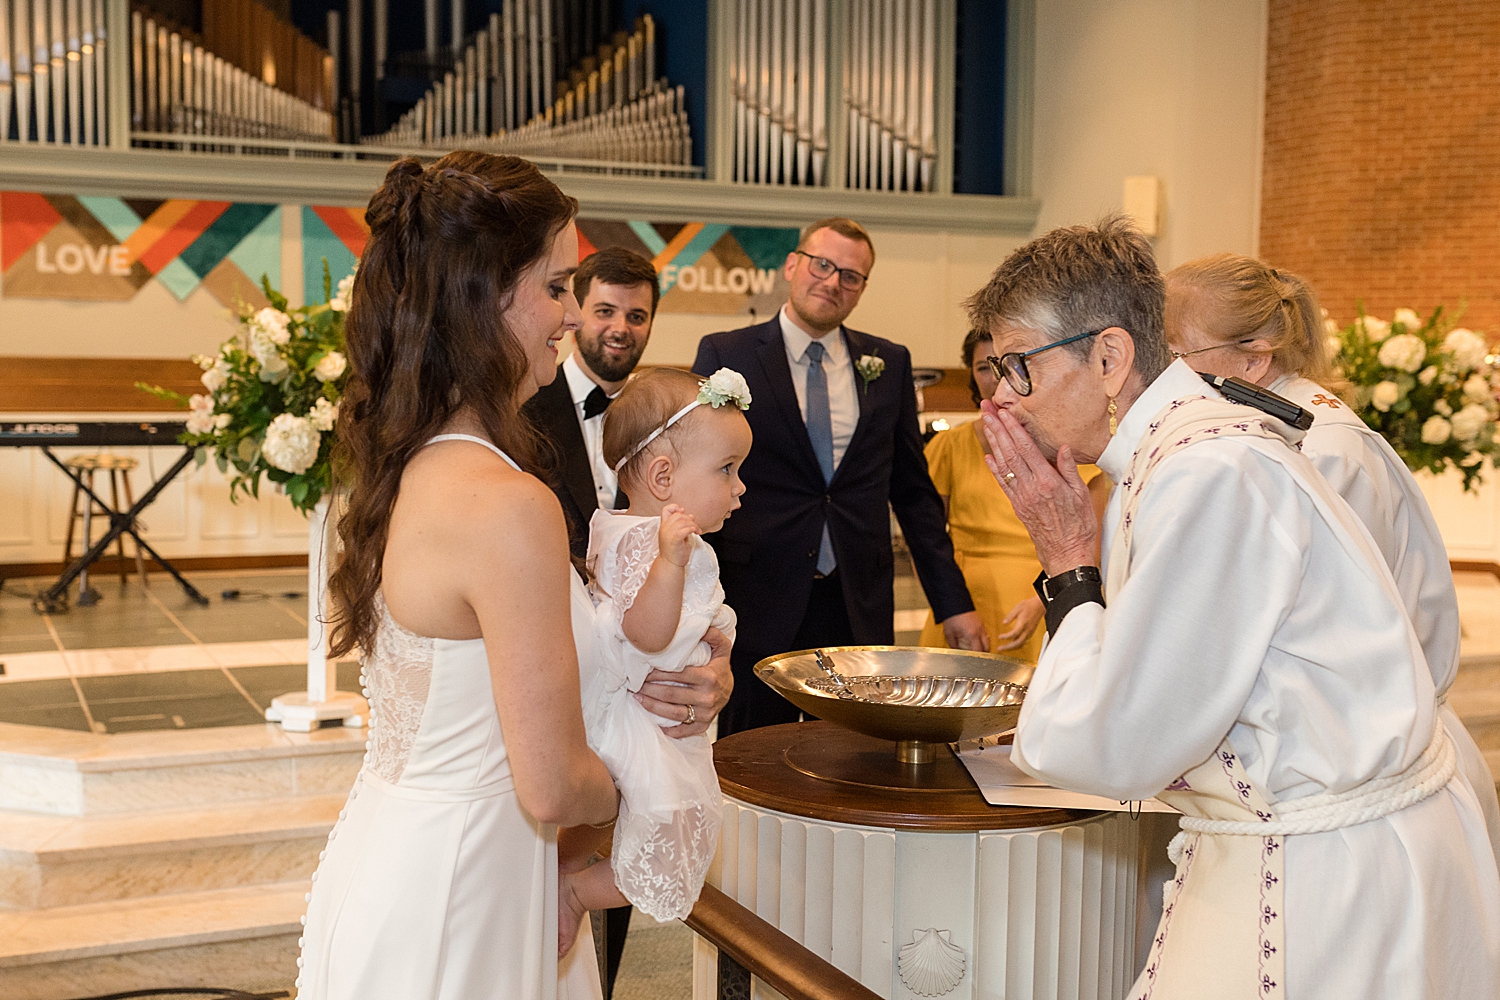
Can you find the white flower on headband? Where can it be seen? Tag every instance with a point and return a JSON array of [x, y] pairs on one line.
[[723, 387]]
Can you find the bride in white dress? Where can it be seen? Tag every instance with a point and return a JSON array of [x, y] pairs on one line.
[[440, 879]]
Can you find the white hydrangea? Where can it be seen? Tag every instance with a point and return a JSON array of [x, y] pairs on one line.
[[1467, 347], [1442, 407], [1428, 374], [291, 443], [1385, 396], [274, 323], [203, 361], [223, 420], [215, 377], [273, 364], [1468, 422], [340, 300], [200, 414], [1477, 389], [1376, 329], [323, 414], [1409, 319], [1404, 351], [330, 366], [1436, 430]]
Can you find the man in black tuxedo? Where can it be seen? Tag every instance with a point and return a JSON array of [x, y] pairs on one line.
[[618, 292], [807, 561]]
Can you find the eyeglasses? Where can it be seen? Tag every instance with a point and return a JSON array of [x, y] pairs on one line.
[[1178, 355], [822, 268], [1012, 366]]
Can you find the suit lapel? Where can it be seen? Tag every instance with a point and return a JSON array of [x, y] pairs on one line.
[[577, 475], [771, 352], [858, 345]]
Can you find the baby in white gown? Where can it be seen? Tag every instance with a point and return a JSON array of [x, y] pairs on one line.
[[677, 444]]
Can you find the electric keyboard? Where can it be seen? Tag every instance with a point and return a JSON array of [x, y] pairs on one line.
[[95, 434]]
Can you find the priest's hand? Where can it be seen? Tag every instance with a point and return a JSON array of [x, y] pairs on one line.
[[966, 631], [1051, 501], [696, 695], [1023, 620]]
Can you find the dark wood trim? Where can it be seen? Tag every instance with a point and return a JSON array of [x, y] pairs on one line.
[[765, 951], [769, 768], [1474, 566], [187, 564], [951, 394], [92, 385]]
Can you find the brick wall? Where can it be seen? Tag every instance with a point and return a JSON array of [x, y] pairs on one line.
[[1381, 176]]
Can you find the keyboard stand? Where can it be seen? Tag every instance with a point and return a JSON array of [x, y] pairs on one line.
[[55, 599]]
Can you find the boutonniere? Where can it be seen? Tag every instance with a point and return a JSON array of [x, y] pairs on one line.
[[870, 368]]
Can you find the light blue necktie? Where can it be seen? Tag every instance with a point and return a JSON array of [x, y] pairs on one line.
[[820, 433]]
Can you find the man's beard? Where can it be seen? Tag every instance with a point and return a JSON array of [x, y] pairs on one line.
[[603, 365]]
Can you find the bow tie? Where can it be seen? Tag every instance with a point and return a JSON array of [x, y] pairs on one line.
[[595, 403]]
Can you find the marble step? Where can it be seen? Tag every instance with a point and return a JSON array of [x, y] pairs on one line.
[[244, 938], [52, 861], [66, 773]]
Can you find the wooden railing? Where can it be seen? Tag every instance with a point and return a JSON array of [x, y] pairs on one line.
[[756, 948]]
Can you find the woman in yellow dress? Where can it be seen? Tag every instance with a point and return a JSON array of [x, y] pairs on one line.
[[990, 545]]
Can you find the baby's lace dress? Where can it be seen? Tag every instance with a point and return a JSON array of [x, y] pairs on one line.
[[670, 804]]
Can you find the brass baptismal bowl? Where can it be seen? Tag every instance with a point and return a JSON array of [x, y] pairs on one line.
[[914, 695]]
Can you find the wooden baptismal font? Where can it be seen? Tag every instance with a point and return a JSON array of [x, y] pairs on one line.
[[863, 838]]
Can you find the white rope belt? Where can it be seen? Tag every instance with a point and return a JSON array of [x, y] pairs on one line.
[[1374, 799]]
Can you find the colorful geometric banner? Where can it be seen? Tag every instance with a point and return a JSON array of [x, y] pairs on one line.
[[60, 246], [703, 267], [81, 247]]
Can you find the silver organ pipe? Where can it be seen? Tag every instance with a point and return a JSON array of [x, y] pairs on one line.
[[779, 79], [498, 97], [52, 71]]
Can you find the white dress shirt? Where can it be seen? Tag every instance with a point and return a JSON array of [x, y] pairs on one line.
[[843, 398], [1243, 613], [579, 386]]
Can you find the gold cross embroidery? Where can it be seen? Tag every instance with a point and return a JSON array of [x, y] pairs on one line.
[[1322, 400]]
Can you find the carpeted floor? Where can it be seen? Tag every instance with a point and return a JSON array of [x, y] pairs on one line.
[[658, 962]]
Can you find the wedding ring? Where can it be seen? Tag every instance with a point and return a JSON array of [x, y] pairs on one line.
[[1009, 476], [692, 716]]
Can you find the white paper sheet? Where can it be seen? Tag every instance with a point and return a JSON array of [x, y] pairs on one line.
[[1004, 784]]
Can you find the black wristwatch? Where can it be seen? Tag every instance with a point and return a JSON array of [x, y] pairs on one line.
[[1066, 591]]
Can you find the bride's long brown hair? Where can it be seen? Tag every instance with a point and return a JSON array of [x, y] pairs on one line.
[[427, 337]]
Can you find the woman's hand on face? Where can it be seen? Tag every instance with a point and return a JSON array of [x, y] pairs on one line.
[[703, 689], [1023, 620], [1051, 501]]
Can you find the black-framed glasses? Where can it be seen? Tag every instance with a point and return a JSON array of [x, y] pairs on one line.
[[822, 268], [1011, 366], [1179, 355]]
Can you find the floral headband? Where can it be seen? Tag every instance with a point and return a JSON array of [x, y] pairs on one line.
[[724, 387]]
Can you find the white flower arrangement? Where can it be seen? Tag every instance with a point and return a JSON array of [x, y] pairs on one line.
[[272, 397], [1429, 388], [870, 368], [723, 387]]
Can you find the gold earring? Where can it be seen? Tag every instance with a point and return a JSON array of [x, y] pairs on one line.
[[1114, 424]]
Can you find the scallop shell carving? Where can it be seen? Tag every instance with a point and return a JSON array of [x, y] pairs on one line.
[[931, 965]]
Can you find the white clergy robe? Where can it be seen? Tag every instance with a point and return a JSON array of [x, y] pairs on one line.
[[1244, 615], [1365, 470]]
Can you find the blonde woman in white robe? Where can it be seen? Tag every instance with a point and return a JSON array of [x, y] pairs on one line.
[[1232, 315], [1253, 666]]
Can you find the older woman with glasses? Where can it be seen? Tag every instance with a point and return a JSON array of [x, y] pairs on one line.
[[1249, 661], [989, 544]]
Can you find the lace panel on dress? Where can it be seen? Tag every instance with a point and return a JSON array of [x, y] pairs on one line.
[[398, 675], [634, 555]]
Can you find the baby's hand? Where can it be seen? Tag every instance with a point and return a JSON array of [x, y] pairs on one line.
[[674, 540]]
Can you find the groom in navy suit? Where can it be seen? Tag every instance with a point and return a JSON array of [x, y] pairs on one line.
[[807, 561]]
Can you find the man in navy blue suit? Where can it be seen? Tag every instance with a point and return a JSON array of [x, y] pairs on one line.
[[807, 561]]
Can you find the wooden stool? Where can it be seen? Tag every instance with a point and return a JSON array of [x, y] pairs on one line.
[[118, 467]]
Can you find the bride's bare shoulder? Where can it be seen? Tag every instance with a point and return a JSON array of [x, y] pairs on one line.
[[460, 490]]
